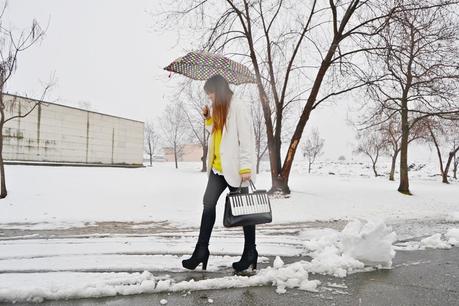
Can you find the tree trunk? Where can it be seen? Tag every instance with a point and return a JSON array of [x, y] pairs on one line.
[[392, 167], [451, 157], [309, 167], [455, 170], [444, 172], [151, 160], [273, 149], [288, 161], [258, 165], [175, 156], [204, 159], [3, 191], [404, 186], [204, 149], [280, 184], [374, 169], [455, 167]]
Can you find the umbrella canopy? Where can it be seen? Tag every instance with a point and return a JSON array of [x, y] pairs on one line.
[[200, 65]]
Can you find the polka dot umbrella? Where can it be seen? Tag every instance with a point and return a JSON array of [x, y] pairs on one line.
[[200, 65]]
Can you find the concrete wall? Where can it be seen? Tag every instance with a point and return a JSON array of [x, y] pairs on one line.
[[58, 133]]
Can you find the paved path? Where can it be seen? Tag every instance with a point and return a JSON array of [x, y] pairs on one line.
[[429, 277]]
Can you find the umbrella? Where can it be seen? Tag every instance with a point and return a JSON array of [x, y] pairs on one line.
[[200, 65]]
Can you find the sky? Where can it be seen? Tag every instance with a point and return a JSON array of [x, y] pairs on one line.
[[109, 54]]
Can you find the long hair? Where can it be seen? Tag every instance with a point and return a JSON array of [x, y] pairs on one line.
[[219, 86]]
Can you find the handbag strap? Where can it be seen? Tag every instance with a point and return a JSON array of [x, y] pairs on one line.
[[250, 184]]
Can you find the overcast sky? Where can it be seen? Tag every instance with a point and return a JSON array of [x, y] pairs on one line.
[[107, 53]]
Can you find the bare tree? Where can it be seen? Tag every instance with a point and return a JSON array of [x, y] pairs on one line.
[[173, 125], [373, 145], [259, 129], [444, 134], [194, 99], [151, 140], [455, 160], [414, 58], [286, 42], [313, 147], [392, 134], [11, 46]]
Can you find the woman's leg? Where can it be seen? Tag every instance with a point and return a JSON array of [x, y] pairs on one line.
[[249, 230], [215, 186], [249, 235], [249, 254]]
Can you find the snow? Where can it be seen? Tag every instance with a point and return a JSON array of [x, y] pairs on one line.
[[369, 242], [361, 243], [278, 263], [163, 206], [435, 242], [453, 236], [453, 216], [144, 195], [331, 255]]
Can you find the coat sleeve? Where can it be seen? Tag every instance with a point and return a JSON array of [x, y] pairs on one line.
[[245, 137]]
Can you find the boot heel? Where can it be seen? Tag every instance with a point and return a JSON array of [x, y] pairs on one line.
[[204, 263], [254, 264]]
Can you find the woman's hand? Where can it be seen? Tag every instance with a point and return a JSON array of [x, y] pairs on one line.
[[246, 176], [205, 112]]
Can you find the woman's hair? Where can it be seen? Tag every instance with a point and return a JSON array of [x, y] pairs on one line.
[[219, 86]]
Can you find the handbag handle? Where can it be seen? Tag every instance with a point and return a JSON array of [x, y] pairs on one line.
[[251, 184]]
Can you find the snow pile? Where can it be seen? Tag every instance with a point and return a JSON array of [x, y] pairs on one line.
[[359, 244], [294, 275], [434, 242], [453, 236], [36, 287], [278, 263], [370, 242]]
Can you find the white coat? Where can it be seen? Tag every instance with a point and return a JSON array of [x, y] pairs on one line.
[[237, 147]]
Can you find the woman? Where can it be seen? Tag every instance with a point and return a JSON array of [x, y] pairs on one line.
[[231, 162]]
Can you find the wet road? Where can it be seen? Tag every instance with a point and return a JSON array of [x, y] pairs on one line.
[[428, 277]]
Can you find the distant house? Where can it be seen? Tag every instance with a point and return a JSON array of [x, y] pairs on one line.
[[191, 152], [55, 133]]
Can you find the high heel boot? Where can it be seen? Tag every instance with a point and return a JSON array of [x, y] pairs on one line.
[[200, 254], [249, 257]]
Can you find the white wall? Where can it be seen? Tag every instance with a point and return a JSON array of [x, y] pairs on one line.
[[58, 133]]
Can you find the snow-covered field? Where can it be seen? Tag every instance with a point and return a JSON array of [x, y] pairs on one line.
[[43, 256], [49, 197]]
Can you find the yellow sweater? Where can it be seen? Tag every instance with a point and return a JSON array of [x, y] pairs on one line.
[[217, 138]]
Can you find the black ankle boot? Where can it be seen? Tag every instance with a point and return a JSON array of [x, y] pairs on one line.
[[200, 254], [249, 257]]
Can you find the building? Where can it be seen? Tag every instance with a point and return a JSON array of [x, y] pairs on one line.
[[190, 152], [54, 133]]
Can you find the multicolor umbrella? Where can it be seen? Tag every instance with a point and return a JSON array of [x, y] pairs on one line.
[[199, 65]]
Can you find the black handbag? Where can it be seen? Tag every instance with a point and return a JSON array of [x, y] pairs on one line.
[[247, 208]]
